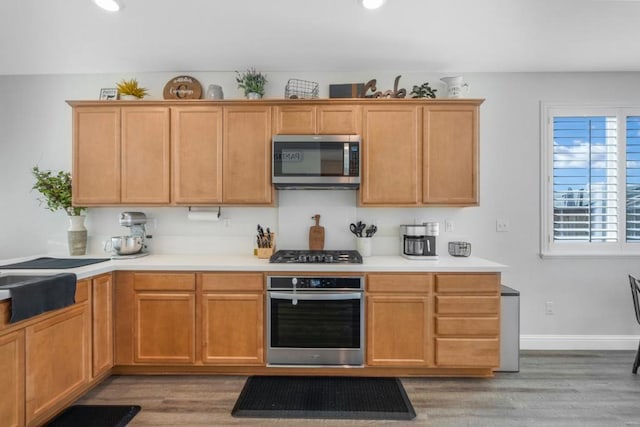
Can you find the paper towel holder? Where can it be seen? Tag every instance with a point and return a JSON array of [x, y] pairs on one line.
[[204, 210]]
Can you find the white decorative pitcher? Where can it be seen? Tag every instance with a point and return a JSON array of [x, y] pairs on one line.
[[456, 88], [77, 235]]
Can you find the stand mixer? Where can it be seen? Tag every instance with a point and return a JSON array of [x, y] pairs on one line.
[[131, 246]]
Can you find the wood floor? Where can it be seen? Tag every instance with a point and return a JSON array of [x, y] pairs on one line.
[[578, 388]]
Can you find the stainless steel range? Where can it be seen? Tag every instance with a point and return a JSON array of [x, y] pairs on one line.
[[317, 257]]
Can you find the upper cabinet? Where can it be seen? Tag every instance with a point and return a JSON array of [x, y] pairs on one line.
[[196, 155], [415, 152], [246, 154], [308, 119], [450, 154], [121, 155]]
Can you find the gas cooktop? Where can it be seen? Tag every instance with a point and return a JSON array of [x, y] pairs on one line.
[[315, 257]]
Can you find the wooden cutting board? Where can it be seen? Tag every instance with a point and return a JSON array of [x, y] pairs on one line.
[[316, 235]]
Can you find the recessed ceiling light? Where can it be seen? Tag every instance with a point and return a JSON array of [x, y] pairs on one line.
[[372, 4], [110, 5]]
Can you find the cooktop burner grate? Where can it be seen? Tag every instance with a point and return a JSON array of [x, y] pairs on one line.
[[316, 257]]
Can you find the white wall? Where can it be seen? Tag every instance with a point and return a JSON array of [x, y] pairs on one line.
[[590, 296]]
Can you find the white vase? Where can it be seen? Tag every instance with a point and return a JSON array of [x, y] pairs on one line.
[[254, 95], [77, 235]]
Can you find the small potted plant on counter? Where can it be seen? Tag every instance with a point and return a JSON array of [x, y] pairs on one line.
[[129, 90], [423, 91], [56, 191], [252, 82]]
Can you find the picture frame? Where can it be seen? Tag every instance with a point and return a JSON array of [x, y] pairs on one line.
[[108, 94]]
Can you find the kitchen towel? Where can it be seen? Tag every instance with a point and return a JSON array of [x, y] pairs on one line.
[[39, 294], [46, 263]]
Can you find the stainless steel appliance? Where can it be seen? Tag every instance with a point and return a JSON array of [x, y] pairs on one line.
[[509, 330], [315, 321], [316, 161], [324, 257], [132, 245], [419, 241]]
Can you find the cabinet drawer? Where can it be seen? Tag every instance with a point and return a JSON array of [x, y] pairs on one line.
[[467, 305], [467, 283], [472, 352], [414, 283], [232, 282], [164, 281], [465, 326]]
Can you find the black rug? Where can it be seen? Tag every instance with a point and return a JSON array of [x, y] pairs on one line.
[[324, 397], [95, 416]]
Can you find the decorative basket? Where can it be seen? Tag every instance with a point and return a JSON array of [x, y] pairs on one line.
[[300, 89], [459, 248]]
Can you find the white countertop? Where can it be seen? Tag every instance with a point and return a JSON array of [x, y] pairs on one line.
[[251, 263]]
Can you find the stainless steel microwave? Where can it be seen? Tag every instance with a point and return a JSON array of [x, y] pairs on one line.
[[316, 161]]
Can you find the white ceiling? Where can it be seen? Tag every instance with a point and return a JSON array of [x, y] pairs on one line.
[[74, 36]]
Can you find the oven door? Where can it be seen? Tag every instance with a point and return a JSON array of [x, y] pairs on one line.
[[315, 328]]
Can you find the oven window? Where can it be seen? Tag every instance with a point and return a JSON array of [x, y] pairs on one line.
[[315, 324]]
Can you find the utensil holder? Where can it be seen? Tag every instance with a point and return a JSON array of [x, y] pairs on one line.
[[363, 245], [267, 252]]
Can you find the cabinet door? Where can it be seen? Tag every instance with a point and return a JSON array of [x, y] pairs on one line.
[[145, 155], [102, 324], [58, 359], [233, 328], [298, 119], [246, 151], [397, 330], [390, 155], [196, 144], [338, 119], [164, 324], [96, 155], [12, 377], [450, 155]]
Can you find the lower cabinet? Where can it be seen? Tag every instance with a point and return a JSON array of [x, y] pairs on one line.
[[467, 320], [12, 377], [102, 324], [58, 360], [232, 319], [398, 320]]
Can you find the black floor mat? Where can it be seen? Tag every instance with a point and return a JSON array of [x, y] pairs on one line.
[[324, 397], [95, 416], [52, 263]]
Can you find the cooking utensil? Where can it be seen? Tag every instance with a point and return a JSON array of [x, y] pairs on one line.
[[357, 228], [369, 232], [124, 245]]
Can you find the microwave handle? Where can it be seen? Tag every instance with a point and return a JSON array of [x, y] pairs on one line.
[[315, 296], [346, 157]]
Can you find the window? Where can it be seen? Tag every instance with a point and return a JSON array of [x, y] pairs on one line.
[[590, 181]]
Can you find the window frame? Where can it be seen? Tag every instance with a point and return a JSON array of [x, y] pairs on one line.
[[551, 248]]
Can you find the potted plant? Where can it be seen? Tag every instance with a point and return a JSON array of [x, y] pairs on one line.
[[252, 82], [56, 191], [129, 89], [423, 91]]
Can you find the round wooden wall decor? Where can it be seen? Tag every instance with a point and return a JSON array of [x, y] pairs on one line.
[[182, 87]]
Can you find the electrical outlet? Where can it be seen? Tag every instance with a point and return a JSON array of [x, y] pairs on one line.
[[502, 225], [448, 226], [548, 308]]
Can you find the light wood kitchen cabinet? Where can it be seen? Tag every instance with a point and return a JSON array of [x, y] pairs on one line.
[[232, 306], [58, 361], [121, 155], [450, 151], [467, 320], [96, 155], [398, 326], [164, 318], [196, 154], [12, 378], [102, 324], [391, 155], [246, 153], [321, 119]]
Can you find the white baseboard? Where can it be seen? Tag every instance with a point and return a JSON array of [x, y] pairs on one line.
[[579, 342]]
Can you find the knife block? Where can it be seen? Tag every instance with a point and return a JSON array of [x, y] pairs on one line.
[[267, 252]]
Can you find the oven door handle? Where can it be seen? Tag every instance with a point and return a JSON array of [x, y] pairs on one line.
[[314, 296]]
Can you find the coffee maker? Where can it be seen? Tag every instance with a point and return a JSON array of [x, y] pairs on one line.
[[418, 241]]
